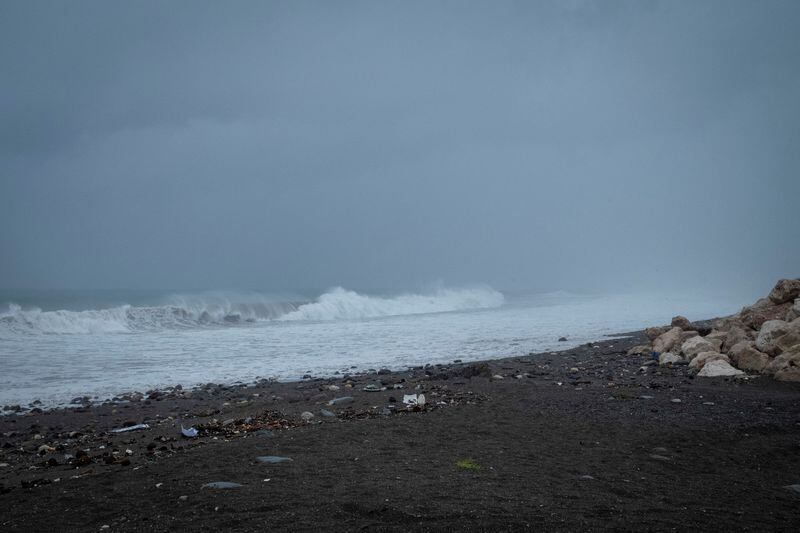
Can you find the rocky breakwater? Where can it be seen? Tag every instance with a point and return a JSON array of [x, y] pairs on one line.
[[763, 338]]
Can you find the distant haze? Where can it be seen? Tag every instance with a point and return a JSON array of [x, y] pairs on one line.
[[606, 145]]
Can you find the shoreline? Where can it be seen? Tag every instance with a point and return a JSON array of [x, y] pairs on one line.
[[588, 421]]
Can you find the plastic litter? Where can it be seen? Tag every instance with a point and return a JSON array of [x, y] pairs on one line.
[[130, 428], [189, 433], [414, 399], [222, 485], [273, 459]]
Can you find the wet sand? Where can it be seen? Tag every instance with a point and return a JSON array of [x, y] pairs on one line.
[[583, 439]]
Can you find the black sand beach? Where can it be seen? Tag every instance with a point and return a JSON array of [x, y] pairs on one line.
[[584, 439]]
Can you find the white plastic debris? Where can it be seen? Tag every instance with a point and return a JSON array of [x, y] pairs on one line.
[[189, 433], [414, 399], [130, 428]]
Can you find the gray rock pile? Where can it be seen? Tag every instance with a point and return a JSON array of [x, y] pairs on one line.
[[762, 338]]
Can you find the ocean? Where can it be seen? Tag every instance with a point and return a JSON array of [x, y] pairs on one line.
[[57, 345]]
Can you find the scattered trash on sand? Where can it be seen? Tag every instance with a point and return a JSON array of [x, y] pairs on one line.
[[189, 433], [414, 399]]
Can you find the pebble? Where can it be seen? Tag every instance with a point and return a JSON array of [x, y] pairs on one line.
[[183, 498], [497, 376], [708, 403], [646, 397], [306, 415], [658, 457], [660, 449], [273, 459], [326, 413], [585, 478], [676, 400]]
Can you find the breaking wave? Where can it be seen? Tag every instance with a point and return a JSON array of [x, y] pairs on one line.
[[184, 312]]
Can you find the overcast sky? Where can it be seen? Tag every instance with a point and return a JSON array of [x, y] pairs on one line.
[[565, 144]]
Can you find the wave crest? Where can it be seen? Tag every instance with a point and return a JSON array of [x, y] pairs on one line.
[[208, 310]]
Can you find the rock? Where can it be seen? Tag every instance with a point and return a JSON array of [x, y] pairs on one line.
[[734, 336], [786, 290], [681, 322], [183, 498], [476, 370], [770, 331], [306, 415], [658, 457], [676, 400], [754, 318], [786, 367], [326, 413], [222, 485], [718, 368], [497, 376], [716, 338], [793, 488], [668, 358], [384, 371], [654, 332], [746, 357], [562, 339], [703, 358], [666, 341], [696, 345], [642, 349], [685, 336], [794, 311], [273, 459]]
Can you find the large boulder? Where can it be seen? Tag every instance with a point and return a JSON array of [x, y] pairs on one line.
[[790, 338], [770, 332], [786, 367], [691, 347], [786, 290], [746, 357], [654, 332], [718, 368], [686, 335], [734, 336], [666, 341], [754, 317], [794, 311], [681, 322], [703, 358], [717, 338]]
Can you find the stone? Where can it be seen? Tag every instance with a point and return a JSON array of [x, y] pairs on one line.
[[786, 367], [703, 358], [770, 331], [681, 322], [326, 413], [686, 335], [794, 311], [642, 349], [666, 341], [562, 339], [668, 358], [754, 318], [746, 357], [786, 290], [785, 342], [718, 368], [654, 332], [691, 347], [734, 336], [306, 415]]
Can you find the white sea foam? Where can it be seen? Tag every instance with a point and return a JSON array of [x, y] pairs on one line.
[[225, 309], [341, 304]]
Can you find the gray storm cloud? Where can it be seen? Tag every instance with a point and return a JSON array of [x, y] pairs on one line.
[[592, 145]]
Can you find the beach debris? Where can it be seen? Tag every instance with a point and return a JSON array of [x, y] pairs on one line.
[[183, 498], [332, 387], [222, 485], [467, 464], [676, 400], [414, 399], [585, 477], [273, 459], [497, 376], [307, 416], [373, 388], [338, 401], [131, 428], [658, 457], [326, 413], [189, 433]]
